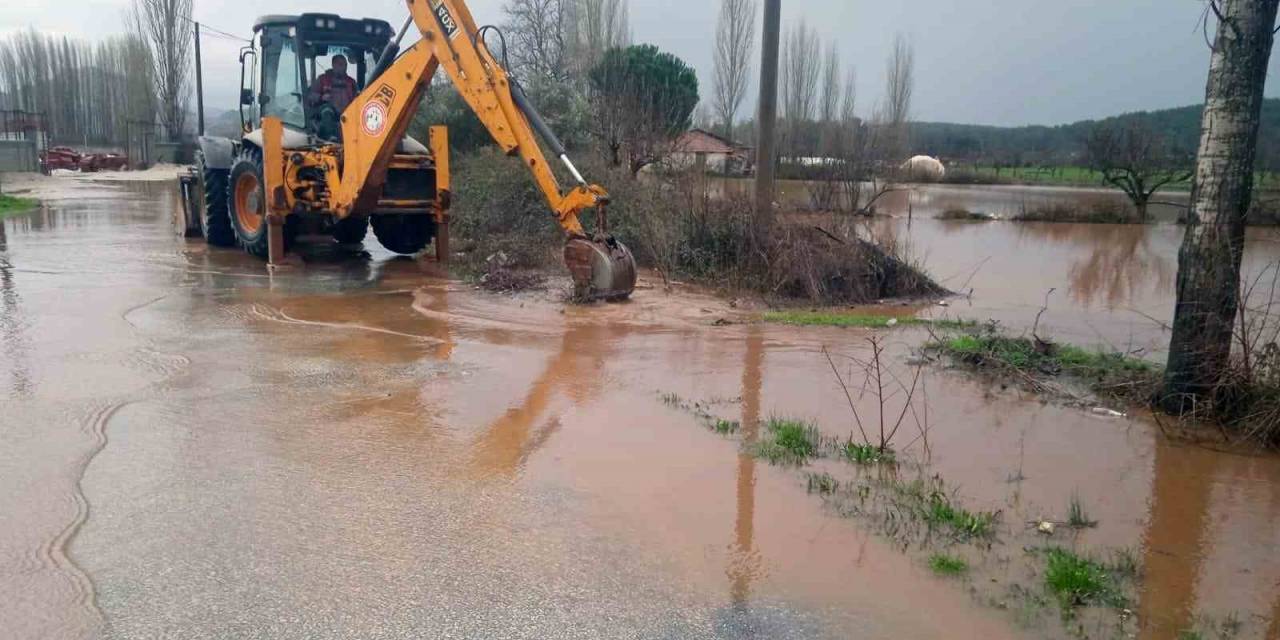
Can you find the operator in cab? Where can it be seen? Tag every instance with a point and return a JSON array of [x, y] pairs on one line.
[[334, 88]]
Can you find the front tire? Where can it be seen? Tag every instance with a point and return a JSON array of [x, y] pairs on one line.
[[247, 196], [404, 233]]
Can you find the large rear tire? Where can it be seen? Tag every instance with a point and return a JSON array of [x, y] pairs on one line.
[[404, 233], [215, 221], [350, 230]]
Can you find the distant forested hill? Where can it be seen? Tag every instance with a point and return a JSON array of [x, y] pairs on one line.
[[1062, 144]]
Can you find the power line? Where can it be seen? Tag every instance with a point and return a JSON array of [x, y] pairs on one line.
[[216, 32]]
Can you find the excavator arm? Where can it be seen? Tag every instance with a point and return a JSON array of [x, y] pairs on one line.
[[378, 118]]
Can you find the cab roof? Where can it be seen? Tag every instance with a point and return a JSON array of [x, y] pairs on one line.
[[369, 33]]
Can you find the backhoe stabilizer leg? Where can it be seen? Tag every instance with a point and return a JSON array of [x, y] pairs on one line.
[[275, 240]]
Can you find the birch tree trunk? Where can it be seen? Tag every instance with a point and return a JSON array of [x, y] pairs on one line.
[[1209, 260]]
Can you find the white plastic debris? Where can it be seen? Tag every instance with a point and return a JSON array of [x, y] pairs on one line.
[[1109, 413], [1045, 527], [943, 303], [892, 321]]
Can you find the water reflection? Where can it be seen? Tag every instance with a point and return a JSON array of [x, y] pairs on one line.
[[744, 558], [1113, 264], [1175, 540], [1210, 544], [577, 370], [13, 326]]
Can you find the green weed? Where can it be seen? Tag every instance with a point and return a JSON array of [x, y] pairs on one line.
[[789, 442], [1076, 580], [860, 453], [725, 427], [939, 510], [947, 565]]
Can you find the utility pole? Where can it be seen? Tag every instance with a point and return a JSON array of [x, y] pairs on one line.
[[767, 112], [199, 87]]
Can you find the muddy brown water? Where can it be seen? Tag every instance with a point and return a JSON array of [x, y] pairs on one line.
[[190, 447]]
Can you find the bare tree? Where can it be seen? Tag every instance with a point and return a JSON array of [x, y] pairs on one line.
[[828, 109], [1134, 159], [829, 106], [1209, 260], [735, 44], [594, 27], [801, 67], [87, 93], [538, 36], [899, 86], [163, 26], [849, 102]]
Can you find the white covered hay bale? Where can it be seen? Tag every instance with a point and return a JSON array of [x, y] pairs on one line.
[[924, 168]]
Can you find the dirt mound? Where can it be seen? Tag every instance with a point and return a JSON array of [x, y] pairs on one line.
[[813, 263]]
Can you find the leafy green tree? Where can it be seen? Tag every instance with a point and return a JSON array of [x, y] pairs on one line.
[[642, 99]]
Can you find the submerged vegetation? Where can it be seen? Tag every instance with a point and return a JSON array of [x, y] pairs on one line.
[[1245, 405], [812, 317], [1077, 517], [899, 498], [1034, 362], [789, 442], [947, 565], [1093, 213], [1079, 581]]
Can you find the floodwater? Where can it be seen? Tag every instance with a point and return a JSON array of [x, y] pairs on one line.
[[363, 447]]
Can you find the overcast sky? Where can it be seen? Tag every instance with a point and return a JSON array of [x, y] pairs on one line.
[[1004, 62]]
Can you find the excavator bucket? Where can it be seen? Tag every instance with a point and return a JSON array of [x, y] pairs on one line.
[[602, 269]]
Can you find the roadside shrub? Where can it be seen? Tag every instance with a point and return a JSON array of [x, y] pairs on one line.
[[1096, 212], [674, 224], [497, 208]]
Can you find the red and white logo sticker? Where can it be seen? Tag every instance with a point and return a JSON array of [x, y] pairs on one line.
[[373, 117]]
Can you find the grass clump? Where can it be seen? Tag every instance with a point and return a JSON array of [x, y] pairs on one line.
[[940, 510], [947, 565], [813, 318], [789, 442], [862, 453], [1077, 517], [1077, 580], [823, 483], [14, 204], [725, 427]]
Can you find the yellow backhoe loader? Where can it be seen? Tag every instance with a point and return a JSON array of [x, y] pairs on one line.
[[302, 162]]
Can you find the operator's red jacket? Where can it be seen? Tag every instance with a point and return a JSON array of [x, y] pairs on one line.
[[341, 90]]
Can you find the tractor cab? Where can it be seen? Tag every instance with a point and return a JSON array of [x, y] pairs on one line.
[[287, 56]]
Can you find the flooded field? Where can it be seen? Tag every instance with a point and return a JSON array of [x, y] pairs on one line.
[[190, 447]]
